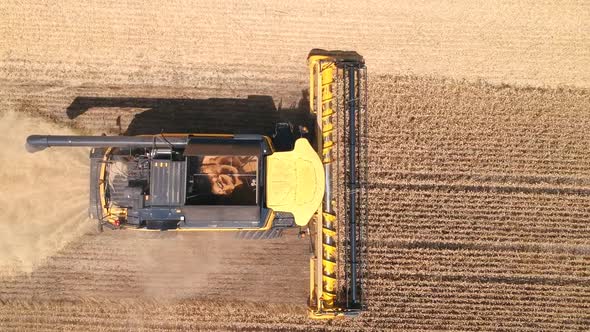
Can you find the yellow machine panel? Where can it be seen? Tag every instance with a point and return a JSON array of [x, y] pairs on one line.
[[295, 182]]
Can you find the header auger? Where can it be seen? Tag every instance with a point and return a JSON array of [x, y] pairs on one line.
[[253, 185]]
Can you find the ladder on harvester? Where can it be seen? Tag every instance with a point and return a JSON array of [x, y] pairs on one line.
[[337, 95]]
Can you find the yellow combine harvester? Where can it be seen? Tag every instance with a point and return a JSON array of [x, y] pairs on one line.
[[254, 185]]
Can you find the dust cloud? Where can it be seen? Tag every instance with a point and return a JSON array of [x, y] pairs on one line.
[[43, 196], [185, 265]]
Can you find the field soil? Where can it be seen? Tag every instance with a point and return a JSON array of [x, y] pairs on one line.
[[479, 171]]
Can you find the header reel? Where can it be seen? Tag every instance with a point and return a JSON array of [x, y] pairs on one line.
[[338, 98]]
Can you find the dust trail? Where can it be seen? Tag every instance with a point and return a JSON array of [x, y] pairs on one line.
[[184, 265], [43, 196]]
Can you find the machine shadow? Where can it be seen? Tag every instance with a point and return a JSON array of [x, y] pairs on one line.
[[256, 114]]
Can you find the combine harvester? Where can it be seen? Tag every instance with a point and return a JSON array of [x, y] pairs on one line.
[[253, 185]]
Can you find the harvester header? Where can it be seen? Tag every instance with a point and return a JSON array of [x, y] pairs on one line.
[[337, 95]]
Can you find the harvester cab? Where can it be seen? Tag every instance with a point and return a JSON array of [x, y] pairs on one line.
[[254, 185]]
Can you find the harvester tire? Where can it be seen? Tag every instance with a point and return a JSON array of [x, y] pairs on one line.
[[99, 227]]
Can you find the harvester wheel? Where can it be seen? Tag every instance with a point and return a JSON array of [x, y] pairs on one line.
[[283, 138], [99, 226]]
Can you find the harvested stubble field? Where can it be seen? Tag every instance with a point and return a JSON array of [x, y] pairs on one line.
[[479, 220], [479, 193]]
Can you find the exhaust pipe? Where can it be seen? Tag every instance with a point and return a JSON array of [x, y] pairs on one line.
[[37, 143]]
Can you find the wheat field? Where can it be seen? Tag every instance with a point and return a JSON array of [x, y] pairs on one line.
[[479, 180]]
